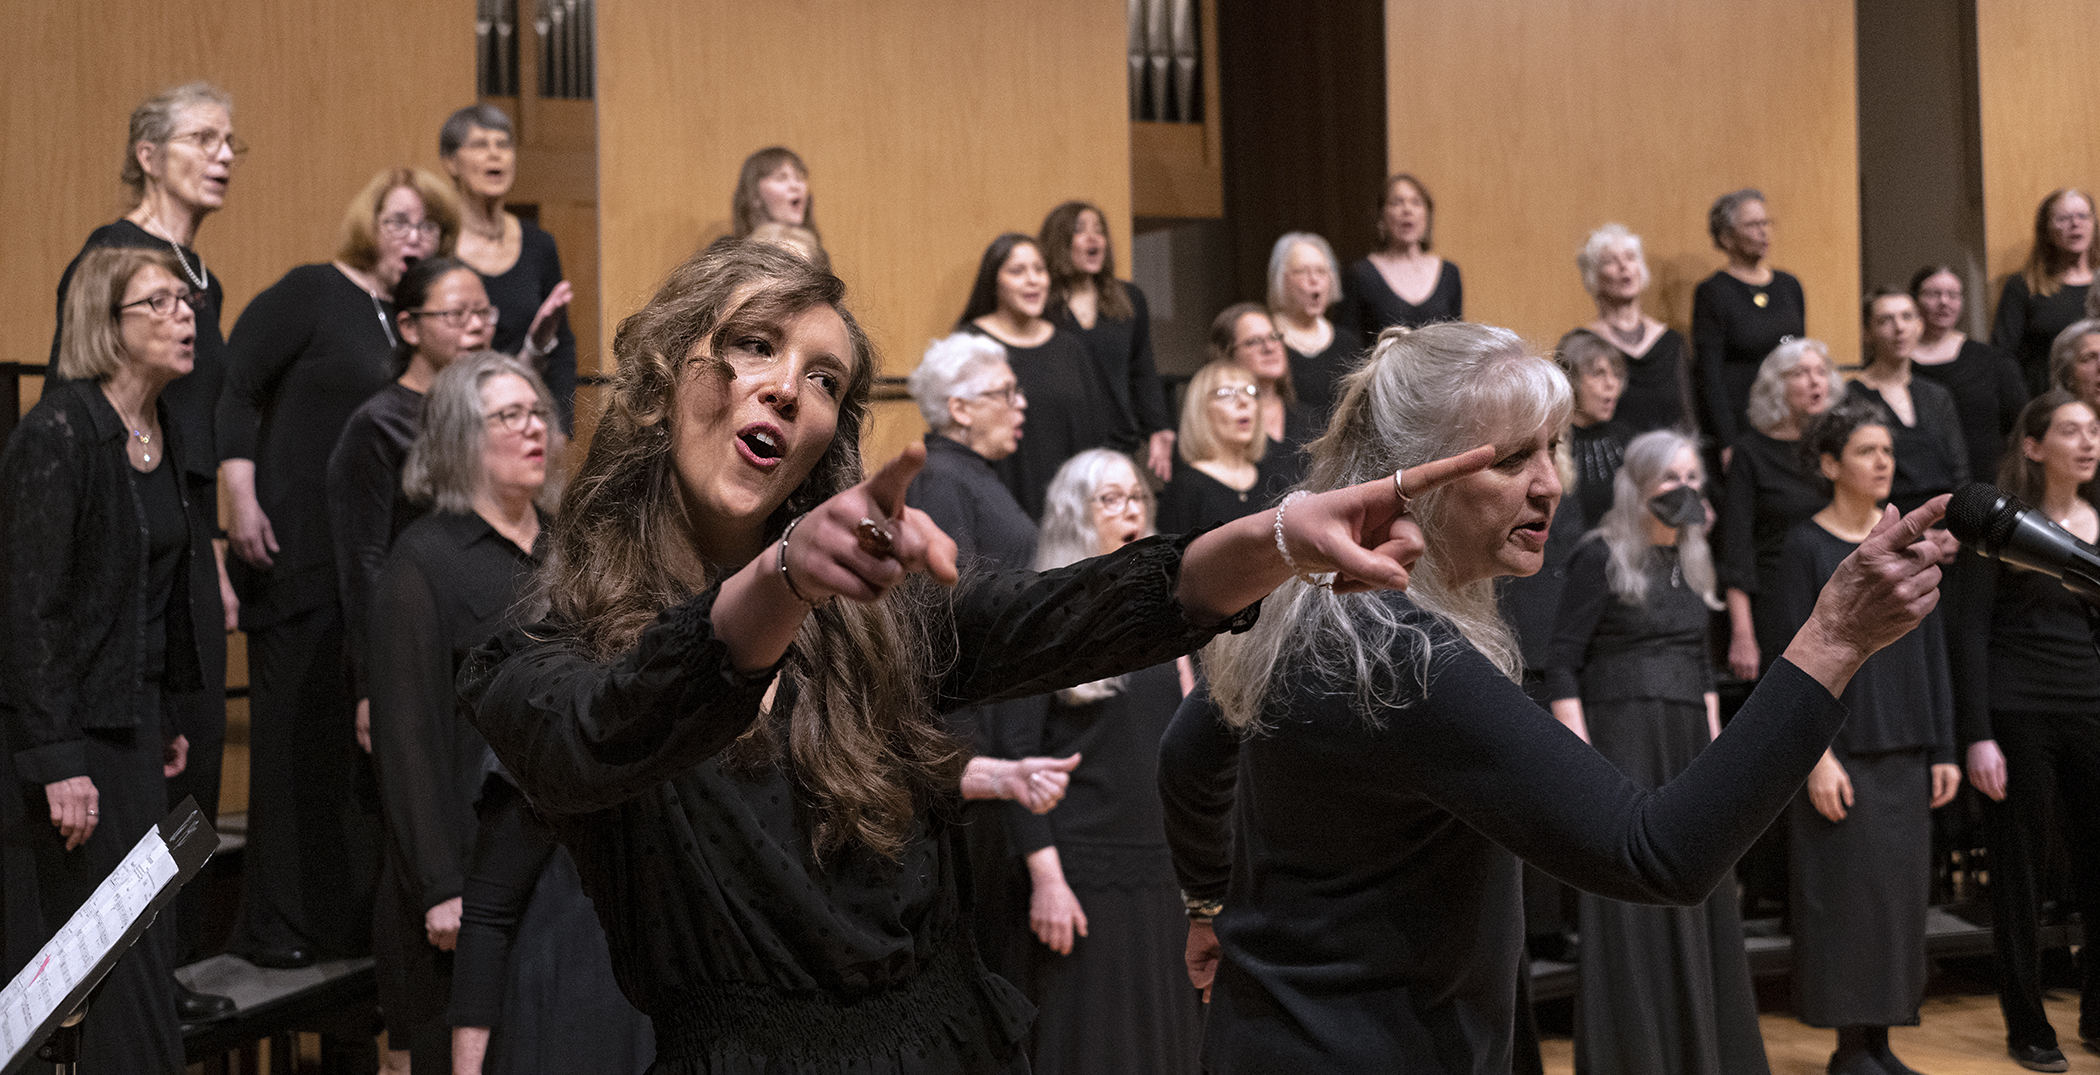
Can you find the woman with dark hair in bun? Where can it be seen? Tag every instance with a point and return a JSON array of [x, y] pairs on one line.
[[1739, 314]]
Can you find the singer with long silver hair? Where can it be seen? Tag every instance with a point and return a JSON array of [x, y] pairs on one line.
[[1861, 835], [2027, 703], [1348, 809]]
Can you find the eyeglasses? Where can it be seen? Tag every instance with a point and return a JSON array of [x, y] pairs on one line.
[[210, 142], [2066, 219], [162, 303], [517, 417], [1757, 225], [484, 144], [400, 227], [1116, 501], [461, 317], [1229, 391], [1009, 395], [1257, 341]]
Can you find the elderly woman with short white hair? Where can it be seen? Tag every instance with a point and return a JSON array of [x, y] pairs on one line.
[[974, 406], [1304, 281], [1658, 392], [1770, 490]]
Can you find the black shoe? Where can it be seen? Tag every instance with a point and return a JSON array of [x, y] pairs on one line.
[[2039, 1057], [194, 1007], [291, 958], [1853, 1062], [1890, 1064]]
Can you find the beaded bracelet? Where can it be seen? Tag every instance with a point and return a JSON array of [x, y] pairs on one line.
[[784, 576], [1285, 551]]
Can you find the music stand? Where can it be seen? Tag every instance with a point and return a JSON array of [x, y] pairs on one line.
[[42, 1010]]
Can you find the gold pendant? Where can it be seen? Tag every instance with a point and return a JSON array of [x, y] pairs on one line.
[[1761, 300]]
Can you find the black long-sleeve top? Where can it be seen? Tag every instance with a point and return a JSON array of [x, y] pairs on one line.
[[192, 398], [1317, 377], [1605, 650], [517, 293], [1369, 305], [1193, 499], [1901, 698], [1373, 919], [962, 494], [723, 927], [449, 584], [1734, 326], [1122, 353], [2034, 652], [1071, 408], [1658, 392], [75, 593], [1988, 396], [367, 509], [1110, 826], [305, 354], [1932, 457], [1597, 451], [2028, 324], [1768, 492]]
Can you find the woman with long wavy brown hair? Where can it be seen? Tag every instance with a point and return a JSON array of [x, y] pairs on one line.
[[752, 775]]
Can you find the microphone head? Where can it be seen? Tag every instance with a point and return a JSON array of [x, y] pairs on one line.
[[1981, 515]]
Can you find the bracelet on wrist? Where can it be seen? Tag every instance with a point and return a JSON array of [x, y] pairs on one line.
[[1202, 910], [783, 560]]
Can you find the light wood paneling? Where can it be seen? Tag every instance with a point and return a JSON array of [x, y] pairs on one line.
[[1535, 121], [2033, 60], [929, 127], [327, 94]]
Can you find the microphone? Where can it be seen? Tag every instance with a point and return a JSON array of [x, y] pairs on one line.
[[1999, 526]]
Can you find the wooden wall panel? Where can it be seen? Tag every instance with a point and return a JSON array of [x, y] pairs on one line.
[[2033, 60], [1535, 121], [929, 127], [326, 93]]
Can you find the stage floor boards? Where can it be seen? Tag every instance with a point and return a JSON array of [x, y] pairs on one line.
[[1961, 1034]]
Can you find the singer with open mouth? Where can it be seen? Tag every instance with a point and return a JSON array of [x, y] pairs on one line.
[[729, 714], [1347, 835]]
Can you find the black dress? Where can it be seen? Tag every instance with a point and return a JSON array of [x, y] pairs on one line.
[[1658, 392], [1988, 395], [2028, 677], [1369, 870], [191, 400], [305, 354], [747, 953], [1317, 377], [1932, 457], [1370, 306], [98, 639], [517, 293], [1734, 326], [1768, 493], [1861, 886], [2028, 325], [1663, 990], [1070, 409], [1122, 353], [1193, 500], [367, 509], [1121, 1001], [1597, 450]]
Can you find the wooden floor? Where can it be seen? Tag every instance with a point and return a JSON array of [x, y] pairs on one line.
[[1960, 1035]]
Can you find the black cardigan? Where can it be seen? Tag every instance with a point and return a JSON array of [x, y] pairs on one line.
[[73, 556]]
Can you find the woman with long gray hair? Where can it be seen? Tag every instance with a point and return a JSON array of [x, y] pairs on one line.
[[1347, 834], [1663, 989]]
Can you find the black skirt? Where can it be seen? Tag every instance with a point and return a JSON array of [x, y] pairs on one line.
[[1860, 891]]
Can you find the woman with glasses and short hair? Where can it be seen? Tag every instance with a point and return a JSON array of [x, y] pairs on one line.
[[102, 608], [305, 354]]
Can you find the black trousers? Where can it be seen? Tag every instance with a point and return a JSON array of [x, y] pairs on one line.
[[2052, 784], [312, 862]]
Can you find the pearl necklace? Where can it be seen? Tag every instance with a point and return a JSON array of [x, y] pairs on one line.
[[201, 276]]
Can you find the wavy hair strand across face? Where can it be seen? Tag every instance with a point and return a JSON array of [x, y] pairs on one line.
[[1624, 528]]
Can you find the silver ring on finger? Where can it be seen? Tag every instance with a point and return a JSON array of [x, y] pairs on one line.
[[1407, 503]]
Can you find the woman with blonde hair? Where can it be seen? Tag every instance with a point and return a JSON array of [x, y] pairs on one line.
[[1662, 989], [2051, 289], [305, 354], [1218, 472]]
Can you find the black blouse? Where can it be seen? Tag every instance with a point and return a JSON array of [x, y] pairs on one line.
[[1734, 326], [517, 293], [1768, 493], [1070, 409], [1658, 392], [75, 571], [1373, 918], [961, 493], [2028, 325], [1597, 451], [1606, 650], [449, 584], [724, 929], [305, 354], [1988, 396], [1932, 457], [1901, 698], [1370, 306], [368, 510], [193, 397], [1317, 378], [2034, 653], [1122, 353], [1193, 500]]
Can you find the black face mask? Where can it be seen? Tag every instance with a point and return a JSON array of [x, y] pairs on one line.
[[1680, 507]]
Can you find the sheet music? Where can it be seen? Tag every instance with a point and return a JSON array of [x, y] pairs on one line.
[[71, 955]]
